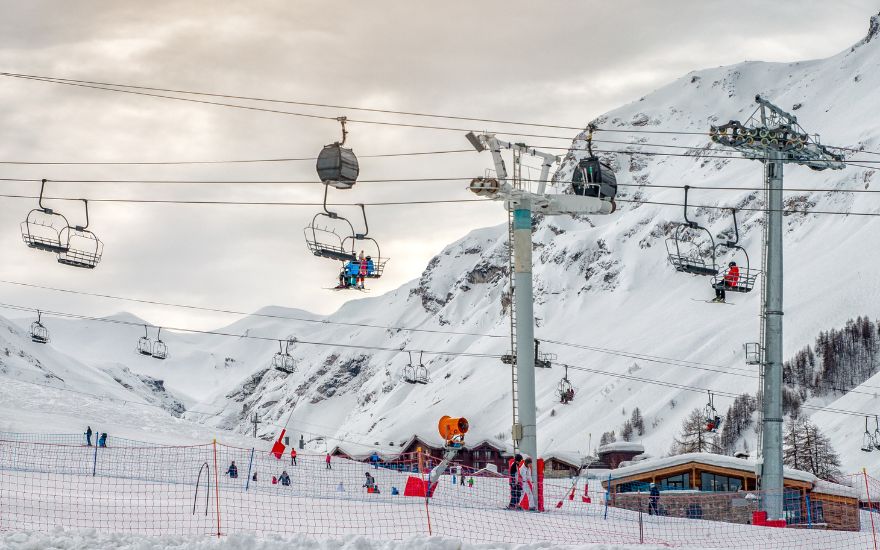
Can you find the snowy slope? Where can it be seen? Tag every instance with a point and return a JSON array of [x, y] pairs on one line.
[[602, 282]]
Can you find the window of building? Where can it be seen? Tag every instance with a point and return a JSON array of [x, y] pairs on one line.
[[681, 481], [719, 483]]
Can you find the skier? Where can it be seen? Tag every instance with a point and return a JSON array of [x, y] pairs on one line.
[[371, 267], [293, 457], [370, 483], [254, 477], [653, 501], [362, 270], [327, 460], [731, 278], [102, 441], [513, 479], [232, 472], [284, 478], [470, 483], [374, 459], [527, 501], [461, 474], [89, 436]]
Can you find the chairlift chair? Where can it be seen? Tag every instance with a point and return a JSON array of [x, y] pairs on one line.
[[415, 374], [283, 361], [713, 421], [876, 433], [84, 249], [39, 333], [145, 345], [868, 440], [745, 281], [42, 229], [160, 350], [565, 390], [377, 263], [683, 249]]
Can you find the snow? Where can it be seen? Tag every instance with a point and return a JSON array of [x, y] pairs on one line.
[[622, 446], [96, 540]]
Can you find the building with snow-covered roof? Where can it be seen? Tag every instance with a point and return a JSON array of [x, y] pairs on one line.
[[724, 488]]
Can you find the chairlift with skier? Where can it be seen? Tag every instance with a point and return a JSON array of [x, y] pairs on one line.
[[690, 244], [84, 249], [39, 333], [565, 390], [42, 229], [739, 276], [713, 421]]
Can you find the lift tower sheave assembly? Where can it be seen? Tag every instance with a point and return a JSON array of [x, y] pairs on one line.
[[774, 137], [521, 201]]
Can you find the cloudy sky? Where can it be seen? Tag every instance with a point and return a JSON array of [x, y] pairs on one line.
[[558, 62]]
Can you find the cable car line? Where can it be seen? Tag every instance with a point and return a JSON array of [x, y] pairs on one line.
[[101, 86], [230, 161]]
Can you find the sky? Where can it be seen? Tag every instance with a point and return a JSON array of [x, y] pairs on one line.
[[555, 62]]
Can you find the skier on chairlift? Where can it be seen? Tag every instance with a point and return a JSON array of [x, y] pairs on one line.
[[362, 270], [731, 278]]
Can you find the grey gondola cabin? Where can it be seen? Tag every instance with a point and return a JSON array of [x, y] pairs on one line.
[[337, 166], [593, 178]]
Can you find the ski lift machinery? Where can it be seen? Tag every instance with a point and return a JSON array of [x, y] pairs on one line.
[[39, 333], [683, 249]]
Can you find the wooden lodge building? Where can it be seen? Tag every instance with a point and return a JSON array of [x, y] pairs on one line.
[[723, 488]]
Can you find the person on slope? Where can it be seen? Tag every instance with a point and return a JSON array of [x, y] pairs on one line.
[[527, 501], [232, 471], [284, 478], [731, 278], [513, 479], [370, 483], [102, 441], [293, 457], [89, 436], [327, 460], [374, 460], [654, 501]]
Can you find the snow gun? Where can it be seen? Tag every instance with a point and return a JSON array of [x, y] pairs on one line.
[[452, 431]]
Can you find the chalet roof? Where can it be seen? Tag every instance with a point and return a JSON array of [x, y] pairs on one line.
[[622, 446]]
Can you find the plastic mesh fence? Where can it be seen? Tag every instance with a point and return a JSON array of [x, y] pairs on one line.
[[188, 490]]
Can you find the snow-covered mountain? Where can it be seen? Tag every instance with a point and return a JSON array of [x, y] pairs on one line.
[[600, 282]]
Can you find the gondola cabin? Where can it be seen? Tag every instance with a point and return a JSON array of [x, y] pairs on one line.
[[594, 178], [337, 166]]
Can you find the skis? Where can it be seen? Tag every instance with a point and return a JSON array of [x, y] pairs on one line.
[[346, 288], [713, 302]]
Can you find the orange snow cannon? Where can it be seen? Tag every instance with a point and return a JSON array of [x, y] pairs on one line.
[[452, 430]]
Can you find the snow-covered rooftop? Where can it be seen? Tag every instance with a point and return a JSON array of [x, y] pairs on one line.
[[622, 446]]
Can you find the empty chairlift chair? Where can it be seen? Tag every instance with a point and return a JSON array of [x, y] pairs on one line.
[[144, 344], [691, 249], [39, 333], [84, 249], [43, 228], [868, 441], [283, 361], [160, 350], [415, 374]]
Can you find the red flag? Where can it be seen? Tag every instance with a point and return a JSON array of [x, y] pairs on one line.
[[278, 447]]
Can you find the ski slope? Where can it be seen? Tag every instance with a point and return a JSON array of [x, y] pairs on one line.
[[601, 282]]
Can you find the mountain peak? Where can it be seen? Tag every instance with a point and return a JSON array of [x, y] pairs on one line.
[[873, 30]]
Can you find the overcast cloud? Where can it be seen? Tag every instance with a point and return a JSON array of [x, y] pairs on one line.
[[561, 62]]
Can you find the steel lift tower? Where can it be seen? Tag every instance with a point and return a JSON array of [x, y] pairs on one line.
[[774, 137], [521, 201]]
